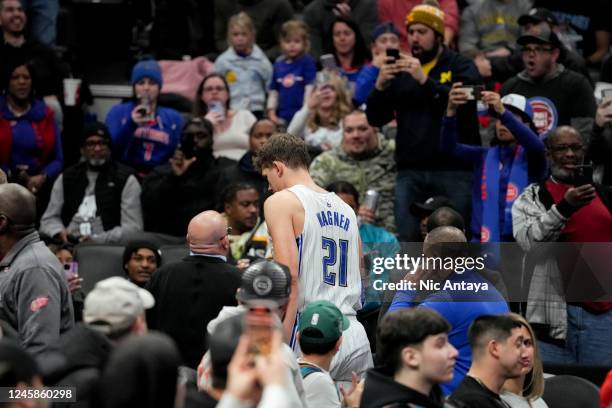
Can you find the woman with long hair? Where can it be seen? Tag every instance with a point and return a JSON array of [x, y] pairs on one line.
[[346, 43], [319, 122], [231, 127], [526, 391]]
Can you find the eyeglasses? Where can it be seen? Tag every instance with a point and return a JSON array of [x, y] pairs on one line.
[[214, 88], [535, 50], [562, 148], [228, 231], [90, 144]]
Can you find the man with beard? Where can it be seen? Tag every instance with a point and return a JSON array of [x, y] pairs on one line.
[[141, 259], [248, 231], [174, 193], [552, 89], [572, 329], [364, 159], [97, 199], [414, 90]]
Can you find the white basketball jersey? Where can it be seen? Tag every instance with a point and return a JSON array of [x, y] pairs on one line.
[[328, 251]]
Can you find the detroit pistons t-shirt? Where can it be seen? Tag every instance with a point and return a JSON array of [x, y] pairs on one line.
[[289, 80]]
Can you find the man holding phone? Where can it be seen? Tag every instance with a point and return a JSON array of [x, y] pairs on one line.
[[414, 89], [566, 208], [173, 193]]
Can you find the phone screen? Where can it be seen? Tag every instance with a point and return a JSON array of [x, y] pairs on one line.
[[328, 61], [473, 92]]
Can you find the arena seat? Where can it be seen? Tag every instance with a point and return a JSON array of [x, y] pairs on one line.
[[101, 261], [98, 262], [568, 391]]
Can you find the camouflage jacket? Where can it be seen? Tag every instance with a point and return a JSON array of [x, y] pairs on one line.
[[375, 172]]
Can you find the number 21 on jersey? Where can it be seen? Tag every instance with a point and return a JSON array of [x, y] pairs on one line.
[[335, 262]]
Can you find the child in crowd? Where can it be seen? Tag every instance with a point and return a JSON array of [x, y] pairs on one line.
[[294, 74], [245, 67]]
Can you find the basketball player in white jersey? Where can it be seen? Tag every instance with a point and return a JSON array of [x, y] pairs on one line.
[[316, 235]]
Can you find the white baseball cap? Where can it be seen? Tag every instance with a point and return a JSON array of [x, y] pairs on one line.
[[114, 304]]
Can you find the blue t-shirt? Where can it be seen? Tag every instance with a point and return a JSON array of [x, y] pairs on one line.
[[289, 80], [460, 308]]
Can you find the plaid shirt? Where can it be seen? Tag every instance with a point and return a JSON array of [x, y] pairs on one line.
[[533, 224]]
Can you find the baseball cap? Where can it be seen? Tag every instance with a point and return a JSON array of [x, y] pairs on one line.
[[265, 280], [539, 34], [321, 322], [430, 205], [518, 104], [114, 304], [384, 28], [538, 15]]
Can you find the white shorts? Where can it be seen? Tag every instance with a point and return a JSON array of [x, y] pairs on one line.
[[354, 354]]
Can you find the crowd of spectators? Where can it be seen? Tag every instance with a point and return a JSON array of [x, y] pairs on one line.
[[437, 122]]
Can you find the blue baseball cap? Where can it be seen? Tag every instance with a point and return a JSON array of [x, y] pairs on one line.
[[384, 28]]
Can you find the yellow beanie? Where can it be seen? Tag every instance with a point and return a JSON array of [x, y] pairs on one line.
[[427, 14]]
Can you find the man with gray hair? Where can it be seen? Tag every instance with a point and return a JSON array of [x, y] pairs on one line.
[[34, 295], [192, 292], [567, 207]]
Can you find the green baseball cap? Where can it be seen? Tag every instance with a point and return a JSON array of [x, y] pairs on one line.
[[321, 322]]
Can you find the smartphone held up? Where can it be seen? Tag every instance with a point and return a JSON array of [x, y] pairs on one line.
[[260, 322]]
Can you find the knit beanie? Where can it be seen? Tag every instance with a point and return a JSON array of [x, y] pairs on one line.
[[429, 14], [147, 69], [134, 246]]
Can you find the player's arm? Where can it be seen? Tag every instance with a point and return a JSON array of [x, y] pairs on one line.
[[278, 210]]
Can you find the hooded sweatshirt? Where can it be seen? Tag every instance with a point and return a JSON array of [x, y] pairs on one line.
[[381, 391]]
